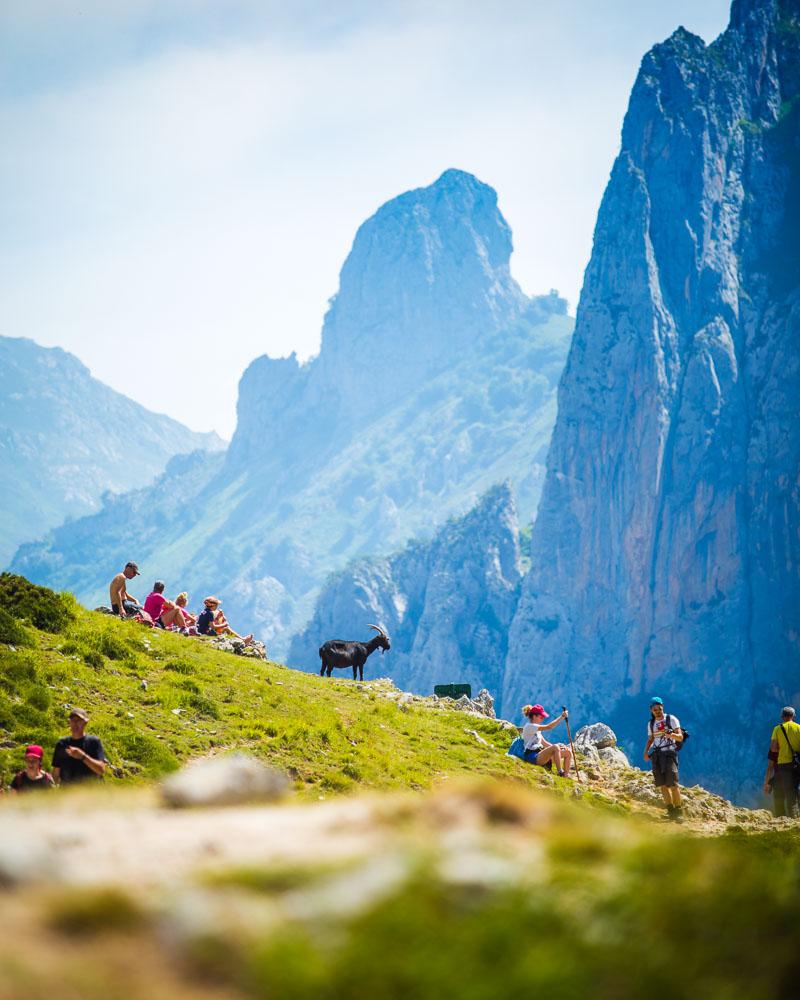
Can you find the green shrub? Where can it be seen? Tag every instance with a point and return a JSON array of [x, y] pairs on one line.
[[114, 648], [93, 659], [16, 671], [202, 705], [150, 753], [43, 608], [12, 633], [179, 667], [39, 697]]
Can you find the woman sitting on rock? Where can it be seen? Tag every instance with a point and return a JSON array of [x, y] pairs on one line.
[[537, 749], [212, 621]]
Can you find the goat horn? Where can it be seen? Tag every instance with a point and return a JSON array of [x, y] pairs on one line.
[[377, 629]]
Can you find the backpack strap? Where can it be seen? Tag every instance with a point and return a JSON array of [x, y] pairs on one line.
[[788, 741]]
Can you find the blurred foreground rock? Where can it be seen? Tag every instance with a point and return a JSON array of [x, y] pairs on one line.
[[223, 781]]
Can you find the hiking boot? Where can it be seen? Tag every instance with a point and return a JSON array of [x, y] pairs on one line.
[[677, 814], [670, 811], [562, 774]]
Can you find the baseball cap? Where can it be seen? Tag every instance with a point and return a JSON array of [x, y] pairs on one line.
[[134, 567], [656, 701], [34, 751], [537, 710], [79, 713]]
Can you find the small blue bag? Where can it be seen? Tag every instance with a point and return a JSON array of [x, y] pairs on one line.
[[517, 749]]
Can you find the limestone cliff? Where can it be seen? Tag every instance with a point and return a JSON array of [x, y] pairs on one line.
[[666, 553]]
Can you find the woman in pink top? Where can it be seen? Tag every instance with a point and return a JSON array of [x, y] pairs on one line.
[[161, 610], [154, 604]]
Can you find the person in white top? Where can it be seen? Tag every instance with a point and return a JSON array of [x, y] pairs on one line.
[[537, 749], [664, 737]]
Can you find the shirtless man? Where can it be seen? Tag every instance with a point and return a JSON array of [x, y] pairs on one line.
[[122, 603]]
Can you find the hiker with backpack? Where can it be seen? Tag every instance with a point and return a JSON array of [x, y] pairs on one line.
[[537, 749], [665, 737], [783, 767], [32, 777]]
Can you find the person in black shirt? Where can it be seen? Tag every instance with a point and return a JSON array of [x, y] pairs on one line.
[[32, 778], [77, 756], [212, 621]]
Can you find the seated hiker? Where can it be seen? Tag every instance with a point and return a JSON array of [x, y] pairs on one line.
[[122, 603], [181, 601], [537, 749], [78, 756], [32, 777], [212, 621], [163, 612]]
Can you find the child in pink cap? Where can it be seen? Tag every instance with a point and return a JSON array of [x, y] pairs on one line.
[[32, 777]]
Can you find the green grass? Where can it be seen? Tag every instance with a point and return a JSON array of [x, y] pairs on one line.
[[157, 700]]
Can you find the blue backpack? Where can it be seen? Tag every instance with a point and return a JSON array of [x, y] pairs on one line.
[[517, 749]]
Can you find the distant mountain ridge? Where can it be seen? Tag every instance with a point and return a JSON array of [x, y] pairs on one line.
[[435, 380], [66, 439]]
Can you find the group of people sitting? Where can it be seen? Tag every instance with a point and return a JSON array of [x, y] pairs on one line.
[[76, 758], [170, 615]]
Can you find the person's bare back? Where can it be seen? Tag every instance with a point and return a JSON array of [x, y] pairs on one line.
[[118, 591]]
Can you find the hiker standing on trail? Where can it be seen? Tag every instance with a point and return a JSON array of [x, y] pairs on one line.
[[782, 777], [664, 737], [32, 777], [537, 749], [78, 757], [122, 603]]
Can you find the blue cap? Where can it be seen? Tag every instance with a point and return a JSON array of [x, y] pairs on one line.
[[656, 701]]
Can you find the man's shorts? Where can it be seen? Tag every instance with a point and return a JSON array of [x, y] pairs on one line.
[[665, 769]]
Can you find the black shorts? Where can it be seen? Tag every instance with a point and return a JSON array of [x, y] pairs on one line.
[[665, 769]]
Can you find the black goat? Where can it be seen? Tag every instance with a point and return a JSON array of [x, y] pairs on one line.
[[339, 653]]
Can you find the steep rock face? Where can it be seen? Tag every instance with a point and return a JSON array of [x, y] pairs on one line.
[[447, 604], [427, 277], [65, 439], [666, 553], [436, 380]]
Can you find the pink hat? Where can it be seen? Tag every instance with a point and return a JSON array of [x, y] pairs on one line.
[[535, 710], [34, 751]]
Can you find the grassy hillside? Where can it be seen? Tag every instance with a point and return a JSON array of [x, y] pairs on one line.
[[483, 884], [157, 699]]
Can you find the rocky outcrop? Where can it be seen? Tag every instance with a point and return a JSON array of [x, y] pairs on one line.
[[666, 553], [435, 380], [66, 439], [447, 604]]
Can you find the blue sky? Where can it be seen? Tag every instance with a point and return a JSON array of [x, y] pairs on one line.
[[181, 181]]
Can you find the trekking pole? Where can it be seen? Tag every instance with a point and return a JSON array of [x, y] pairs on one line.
[[572, 745]]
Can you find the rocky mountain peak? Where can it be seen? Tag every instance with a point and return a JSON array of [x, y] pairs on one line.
[[427, 276], [428, 273]]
